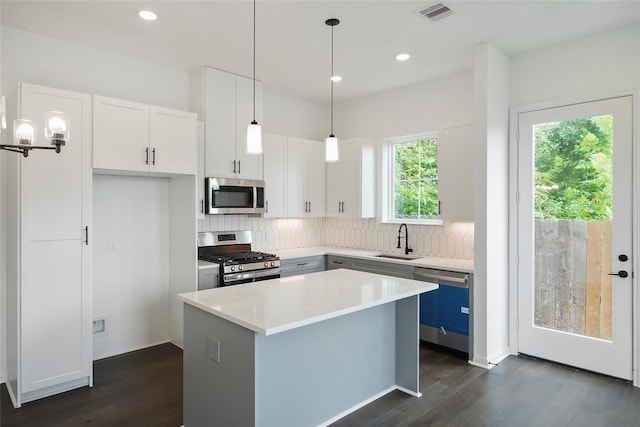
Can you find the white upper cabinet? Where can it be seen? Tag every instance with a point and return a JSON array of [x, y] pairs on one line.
[[351, 181], [305, 178], [120, 134], [129, 136], [275, 166], [224, 101], [173, 141], [249, 166], [455, 172]]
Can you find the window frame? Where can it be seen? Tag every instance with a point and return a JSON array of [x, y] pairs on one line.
[[388, 191]]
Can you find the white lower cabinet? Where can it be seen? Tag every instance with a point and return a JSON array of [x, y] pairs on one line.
[[49, 263]]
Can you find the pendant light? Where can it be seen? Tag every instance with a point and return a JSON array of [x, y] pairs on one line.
[[254, 131], [331, 152]]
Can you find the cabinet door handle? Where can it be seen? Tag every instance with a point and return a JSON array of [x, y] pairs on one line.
[[266, 206], [309, 206], [153, 156], [439, 207], [234, 166], [146, 156], [86, 235], [238, 166], [201, 206], [306, 209]]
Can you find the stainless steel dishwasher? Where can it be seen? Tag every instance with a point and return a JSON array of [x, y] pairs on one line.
[[445, 314]]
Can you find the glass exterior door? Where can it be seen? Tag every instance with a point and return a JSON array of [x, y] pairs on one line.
[[574, 246]]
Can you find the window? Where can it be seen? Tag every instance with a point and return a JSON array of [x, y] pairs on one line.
[[413, 179]]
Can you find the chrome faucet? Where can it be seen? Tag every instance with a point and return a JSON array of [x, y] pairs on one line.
[[407, 249]]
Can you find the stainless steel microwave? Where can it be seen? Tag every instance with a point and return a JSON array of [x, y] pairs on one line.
[[233, 196]]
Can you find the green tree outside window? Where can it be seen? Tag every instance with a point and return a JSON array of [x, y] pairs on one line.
[[573, 169], [416, 179]]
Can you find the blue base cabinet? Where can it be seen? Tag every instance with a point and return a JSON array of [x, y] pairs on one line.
[[445, 313]]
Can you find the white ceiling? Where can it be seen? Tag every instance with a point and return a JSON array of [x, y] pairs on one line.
[[293, 47]]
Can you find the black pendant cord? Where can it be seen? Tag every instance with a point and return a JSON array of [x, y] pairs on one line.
[[332, 23], [331, 82], [254, 63]]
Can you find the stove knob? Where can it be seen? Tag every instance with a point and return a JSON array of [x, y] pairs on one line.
[[273, 263], [266, 264], [239, 268], [233, 268]]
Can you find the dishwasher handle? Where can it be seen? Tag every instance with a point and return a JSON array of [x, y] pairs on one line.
[[458, 280]]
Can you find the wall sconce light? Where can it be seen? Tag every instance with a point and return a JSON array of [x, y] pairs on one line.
[[56, 131]]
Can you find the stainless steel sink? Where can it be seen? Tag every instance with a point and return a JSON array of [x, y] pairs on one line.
[[399, 256]]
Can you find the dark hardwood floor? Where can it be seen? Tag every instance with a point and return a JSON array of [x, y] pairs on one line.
[[144, 388], [141, 388]]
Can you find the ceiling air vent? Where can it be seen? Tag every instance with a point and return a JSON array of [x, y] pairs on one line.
[[436, 11]]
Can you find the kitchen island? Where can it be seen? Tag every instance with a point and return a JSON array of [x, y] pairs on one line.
[[298, 351]]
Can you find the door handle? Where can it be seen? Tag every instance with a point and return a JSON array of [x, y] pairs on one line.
[[86, 235], [238, 166], [620, 273], [146, 156], [153, 157], [234, 166]]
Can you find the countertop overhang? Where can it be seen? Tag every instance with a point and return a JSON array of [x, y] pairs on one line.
[[278, 305]]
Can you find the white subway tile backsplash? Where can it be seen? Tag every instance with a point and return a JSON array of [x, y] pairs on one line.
[[452, 240]]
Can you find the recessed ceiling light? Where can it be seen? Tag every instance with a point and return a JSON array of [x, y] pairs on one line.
[[336, 78], [147, 15], [403, 56]]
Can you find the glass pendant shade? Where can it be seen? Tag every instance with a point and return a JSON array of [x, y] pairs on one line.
[[254, 138], [331, 152], [24, 132], [57, 126]]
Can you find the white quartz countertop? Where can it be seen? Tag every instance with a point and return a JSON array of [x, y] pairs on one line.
[[278, 305], [451, 264]]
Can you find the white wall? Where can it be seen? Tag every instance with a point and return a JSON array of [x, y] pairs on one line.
[[491, 202], [37, 59], [424, 107], [131, 262], [287, 116], [601, 65]]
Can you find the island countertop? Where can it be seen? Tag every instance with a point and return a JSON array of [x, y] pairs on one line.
[[278, 305]]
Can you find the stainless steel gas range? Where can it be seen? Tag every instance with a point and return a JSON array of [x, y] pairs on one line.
[[225, 258]]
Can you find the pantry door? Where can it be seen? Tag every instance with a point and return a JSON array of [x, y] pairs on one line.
[[575, 235]]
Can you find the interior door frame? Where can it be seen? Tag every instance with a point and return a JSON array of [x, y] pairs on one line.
[[514, 225]]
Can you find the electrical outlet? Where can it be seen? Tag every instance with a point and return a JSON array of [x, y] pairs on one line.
[[213, 349], [464, 310], [99, 326]]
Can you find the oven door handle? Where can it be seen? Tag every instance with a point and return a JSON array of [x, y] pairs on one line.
[[236, 277]]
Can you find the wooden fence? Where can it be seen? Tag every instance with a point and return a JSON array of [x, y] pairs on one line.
[[572, 285]]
